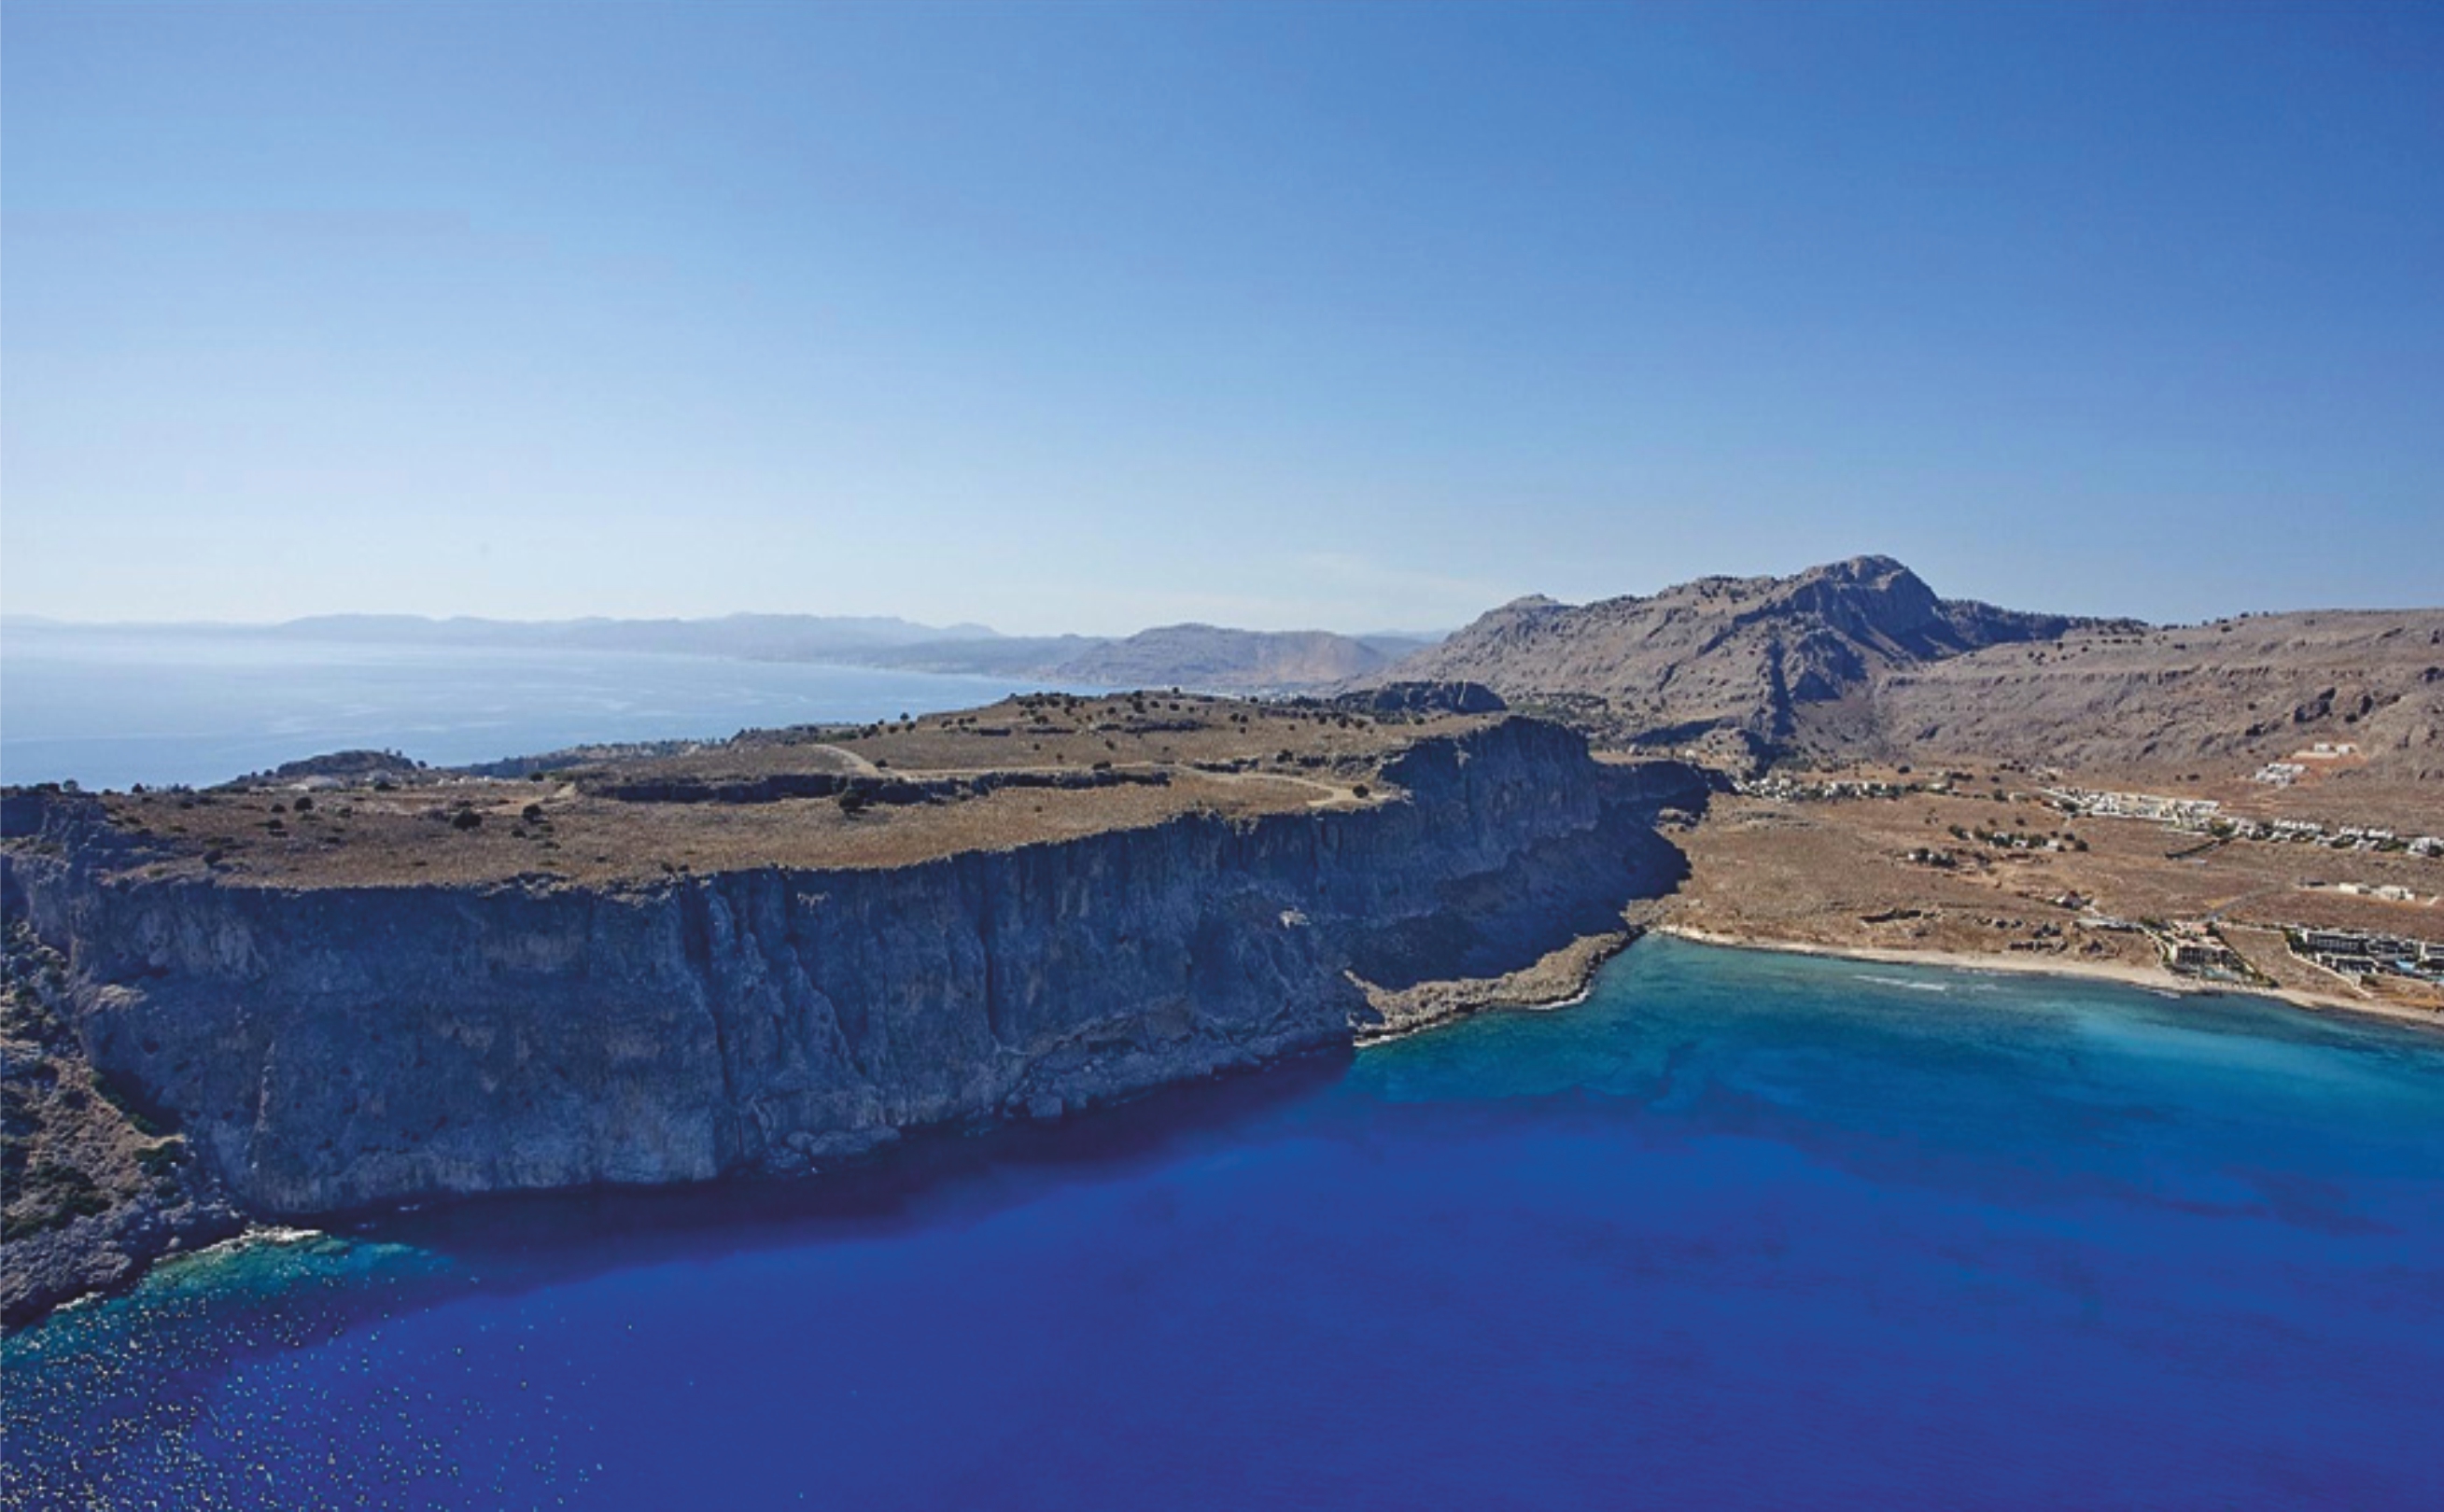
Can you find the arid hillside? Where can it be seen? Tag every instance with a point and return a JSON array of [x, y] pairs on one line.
[[1861, 660], [2236, 693]]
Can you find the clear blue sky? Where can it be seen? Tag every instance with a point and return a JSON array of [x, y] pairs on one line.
[[1096, 317]]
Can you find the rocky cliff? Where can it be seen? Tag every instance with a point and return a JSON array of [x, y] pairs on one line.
[[327, 1048]]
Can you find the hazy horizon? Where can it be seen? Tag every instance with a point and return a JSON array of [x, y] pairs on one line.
[[952, 629], [1088, 320]]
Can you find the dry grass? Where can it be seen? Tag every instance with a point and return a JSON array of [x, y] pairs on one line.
[[567, 828]]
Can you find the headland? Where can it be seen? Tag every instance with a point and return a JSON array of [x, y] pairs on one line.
[[356, 983]]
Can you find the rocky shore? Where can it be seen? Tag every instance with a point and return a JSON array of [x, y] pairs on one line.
[[1553, 981], [93, 1191]]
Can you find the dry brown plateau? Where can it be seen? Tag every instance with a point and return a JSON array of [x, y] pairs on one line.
[[1117, 762]]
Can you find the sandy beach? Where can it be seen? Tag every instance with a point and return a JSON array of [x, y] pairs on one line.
[[1564, 977], [2123, 973]]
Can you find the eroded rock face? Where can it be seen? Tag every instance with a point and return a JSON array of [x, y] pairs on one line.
[[331, 1048], [90, 1193]]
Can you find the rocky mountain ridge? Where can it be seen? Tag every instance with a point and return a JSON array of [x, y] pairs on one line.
[[1726, 657], [1861, 659]]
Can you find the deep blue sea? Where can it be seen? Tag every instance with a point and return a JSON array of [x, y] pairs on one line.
[[1741, 1230], [111, 707]]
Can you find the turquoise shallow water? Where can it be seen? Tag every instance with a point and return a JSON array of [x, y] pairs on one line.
[[1741, 1230]]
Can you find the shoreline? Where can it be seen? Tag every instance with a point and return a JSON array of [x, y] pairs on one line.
[[2120, 973]]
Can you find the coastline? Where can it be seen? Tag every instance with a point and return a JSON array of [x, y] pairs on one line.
[[2118, 972]]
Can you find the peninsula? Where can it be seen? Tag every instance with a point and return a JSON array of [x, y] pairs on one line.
[[357, 983]]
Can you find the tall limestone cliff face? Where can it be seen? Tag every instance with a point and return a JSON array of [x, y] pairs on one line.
[[341, 1047]]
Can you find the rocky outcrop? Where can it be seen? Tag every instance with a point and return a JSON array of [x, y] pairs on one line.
[[345, 764], [1424, 699], [331, 1048]]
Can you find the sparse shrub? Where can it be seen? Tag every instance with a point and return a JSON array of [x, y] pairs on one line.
[[466, 819]]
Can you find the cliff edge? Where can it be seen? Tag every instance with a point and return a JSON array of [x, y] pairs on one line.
[[324, 1041]]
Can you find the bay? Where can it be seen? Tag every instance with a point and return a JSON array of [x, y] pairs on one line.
[[1740, 1230]]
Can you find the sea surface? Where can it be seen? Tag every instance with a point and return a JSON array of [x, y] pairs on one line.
[[112, 707], [1741, 1230]]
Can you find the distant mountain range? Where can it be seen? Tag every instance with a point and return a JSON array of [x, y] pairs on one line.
[[1861, 659], [754, 638], [1206, 657]]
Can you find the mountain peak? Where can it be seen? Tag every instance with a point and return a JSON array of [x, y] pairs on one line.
[[1734, 654]]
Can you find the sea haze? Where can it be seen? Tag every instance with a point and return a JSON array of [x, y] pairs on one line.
[[112, 707], [1742, 1230]]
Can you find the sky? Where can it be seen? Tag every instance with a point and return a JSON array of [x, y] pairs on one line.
[[1086, 318]]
